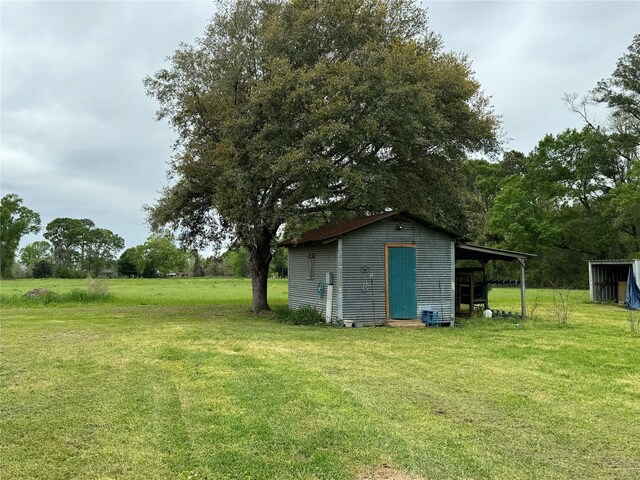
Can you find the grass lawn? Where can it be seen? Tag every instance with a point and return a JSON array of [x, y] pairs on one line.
[[175, 379]]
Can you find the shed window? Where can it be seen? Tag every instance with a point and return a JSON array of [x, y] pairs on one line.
[[311, 266]]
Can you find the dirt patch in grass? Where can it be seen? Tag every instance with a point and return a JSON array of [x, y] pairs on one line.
[[385, 472], [39, 293]]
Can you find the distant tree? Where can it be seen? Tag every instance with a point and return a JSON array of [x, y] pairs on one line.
[[69, 239], [198, 267], [279, 263], [161, 255], [149, 270], [130, 263], [577, 195], [101, 249], [16, 220], [621, 92], [576, 166], [295, 112], [623, 212], [563, 205], [621, 134], [561, 198], [234, 262], [34, 253], [42, 269], [213, 267], [79, 246], [486, 180]]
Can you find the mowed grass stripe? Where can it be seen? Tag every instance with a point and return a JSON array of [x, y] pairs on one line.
[[210, 391]]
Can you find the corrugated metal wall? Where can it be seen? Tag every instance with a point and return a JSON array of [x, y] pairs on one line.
[[302, 290], [364, 288]]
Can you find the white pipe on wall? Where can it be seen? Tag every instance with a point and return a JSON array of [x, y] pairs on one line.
[[328, 310]]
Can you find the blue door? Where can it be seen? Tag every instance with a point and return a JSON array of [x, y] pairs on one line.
[[401, 278]]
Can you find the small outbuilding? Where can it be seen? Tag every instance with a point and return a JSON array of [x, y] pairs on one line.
[[377, 269], [614, 281]]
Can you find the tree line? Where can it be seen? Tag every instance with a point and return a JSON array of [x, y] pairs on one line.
[[576, 196], [75, 248]]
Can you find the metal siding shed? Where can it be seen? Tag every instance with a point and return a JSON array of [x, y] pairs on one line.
[[359, 265], [364, 273], [304, 290], [604, 276]]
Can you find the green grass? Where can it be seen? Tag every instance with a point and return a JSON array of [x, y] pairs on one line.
[[175, 379], [160, 291]]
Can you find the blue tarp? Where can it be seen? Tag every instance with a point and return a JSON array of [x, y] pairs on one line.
[[633, 292]]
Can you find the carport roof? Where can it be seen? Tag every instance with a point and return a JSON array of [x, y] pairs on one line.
[[468, 251]]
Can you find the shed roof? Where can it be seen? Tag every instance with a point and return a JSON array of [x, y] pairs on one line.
[[335, 229], [614, 261]]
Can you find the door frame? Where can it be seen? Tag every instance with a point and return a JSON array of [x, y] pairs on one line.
[[386, 272]]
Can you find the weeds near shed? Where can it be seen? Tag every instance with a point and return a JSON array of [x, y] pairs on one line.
[[78, 295], [564, 304], [95, 291], [634, 322], [305, 315], [97, 288], [533, 307]]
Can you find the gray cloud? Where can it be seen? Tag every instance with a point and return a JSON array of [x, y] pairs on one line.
[[78, 136], [528, 54]]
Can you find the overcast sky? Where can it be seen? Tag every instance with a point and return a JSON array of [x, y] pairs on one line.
[[77, 133]]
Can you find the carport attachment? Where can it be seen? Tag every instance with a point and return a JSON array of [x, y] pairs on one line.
[[465, 251]]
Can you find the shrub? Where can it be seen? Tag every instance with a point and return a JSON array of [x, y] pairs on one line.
[[42, 269], [306, 315], [95, 292], [66, 272], [564, 304], [78, 295], [97, 288]]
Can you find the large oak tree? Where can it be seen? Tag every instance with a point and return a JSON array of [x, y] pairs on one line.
[[287, 111]]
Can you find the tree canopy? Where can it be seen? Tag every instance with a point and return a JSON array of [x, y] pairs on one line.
[[159, 255], [35, 252], [16, 220], [290, 112], [621, 92], [78, 245], [576, 196]]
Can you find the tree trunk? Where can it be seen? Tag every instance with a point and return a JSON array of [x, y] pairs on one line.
[[259, 260], [259, 285]]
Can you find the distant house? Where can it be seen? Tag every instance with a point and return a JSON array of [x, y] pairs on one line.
[[109, 273], [385, 268]]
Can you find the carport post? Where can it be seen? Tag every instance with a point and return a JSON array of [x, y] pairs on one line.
[[523, 294]]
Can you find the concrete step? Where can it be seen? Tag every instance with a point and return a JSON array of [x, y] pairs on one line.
[[405, 323]]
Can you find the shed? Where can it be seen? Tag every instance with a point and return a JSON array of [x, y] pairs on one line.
[[380, 268], [608, 279]]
